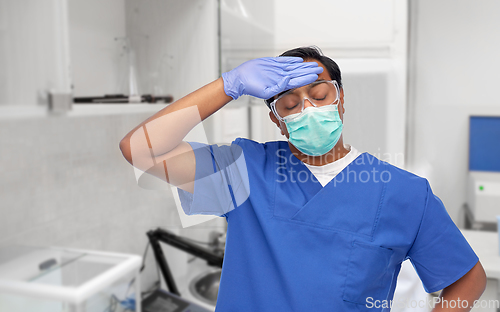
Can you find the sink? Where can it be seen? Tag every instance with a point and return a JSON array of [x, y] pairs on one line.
[[205, 286]]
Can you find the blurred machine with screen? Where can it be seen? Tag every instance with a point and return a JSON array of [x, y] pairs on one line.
[[483, 187]]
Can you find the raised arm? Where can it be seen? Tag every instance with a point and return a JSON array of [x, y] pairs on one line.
[[156, 145]]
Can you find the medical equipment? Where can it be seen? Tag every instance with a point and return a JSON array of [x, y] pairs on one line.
[[483, 187], [171, 301], [62, 280], [161, 235]]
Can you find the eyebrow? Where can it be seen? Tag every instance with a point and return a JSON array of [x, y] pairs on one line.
[[291, 90]]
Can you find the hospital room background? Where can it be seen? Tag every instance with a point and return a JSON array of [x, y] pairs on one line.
[[420, 81]]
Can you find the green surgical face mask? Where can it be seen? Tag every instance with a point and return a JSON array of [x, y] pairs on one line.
[[316, 130]]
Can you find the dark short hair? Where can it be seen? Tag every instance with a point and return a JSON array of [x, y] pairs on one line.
[[314, 53]]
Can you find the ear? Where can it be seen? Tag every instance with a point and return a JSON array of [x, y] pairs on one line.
[[276, 121]]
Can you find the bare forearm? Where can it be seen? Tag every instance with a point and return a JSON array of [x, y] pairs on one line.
[[461, 295], [208, 99], [167, 128]]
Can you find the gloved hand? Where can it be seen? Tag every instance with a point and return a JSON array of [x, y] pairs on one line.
[[268, 76]]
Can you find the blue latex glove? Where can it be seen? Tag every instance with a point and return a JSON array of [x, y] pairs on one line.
[[268, 76]]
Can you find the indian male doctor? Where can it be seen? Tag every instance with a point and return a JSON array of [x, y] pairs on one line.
[[313, 224]]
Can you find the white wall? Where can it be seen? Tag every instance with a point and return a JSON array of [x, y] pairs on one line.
[[454, 74], [65, 183]]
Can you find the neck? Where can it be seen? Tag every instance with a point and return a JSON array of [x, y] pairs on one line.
[[336, 153]]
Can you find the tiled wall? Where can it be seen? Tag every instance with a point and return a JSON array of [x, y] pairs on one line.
[[64, 182]]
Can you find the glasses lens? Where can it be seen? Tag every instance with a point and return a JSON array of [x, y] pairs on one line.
[[319, 93]]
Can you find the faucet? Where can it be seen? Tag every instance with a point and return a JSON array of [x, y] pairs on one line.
[[217, 241]]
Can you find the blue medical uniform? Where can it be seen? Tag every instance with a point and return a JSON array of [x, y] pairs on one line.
[[293, 245]]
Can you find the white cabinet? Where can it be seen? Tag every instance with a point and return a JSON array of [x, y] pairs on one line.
[[34, 51]]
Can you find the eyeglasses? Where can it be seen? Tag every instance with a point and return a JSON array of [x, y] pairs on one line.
[[290, 104]]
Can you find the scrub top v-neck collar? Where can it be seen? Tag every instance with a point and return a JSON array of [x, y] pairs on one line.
[[295, 167], [326, 173], [306, 188]]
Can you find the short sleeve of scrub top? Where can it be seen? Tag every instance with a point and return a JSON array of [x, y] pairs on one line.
[[440, 254], [221, 180]]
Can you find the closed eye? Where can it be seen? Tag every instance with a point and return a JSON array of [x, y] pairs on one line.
[[321, 99]]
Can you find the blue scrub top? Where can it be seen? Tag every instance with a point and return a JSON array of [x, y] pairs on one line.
[[293, 245]]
